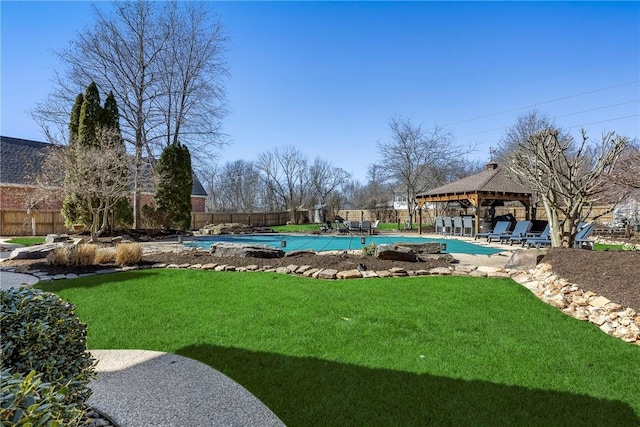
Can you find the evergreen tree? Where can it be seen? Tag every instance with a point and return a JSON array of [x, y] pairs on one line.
[[90, 116], [71, 207], [110, 113], [175, 181], [74, 122]]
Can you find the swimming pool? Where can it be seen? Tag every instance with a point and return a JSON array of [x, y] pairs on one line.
[[319, 243]]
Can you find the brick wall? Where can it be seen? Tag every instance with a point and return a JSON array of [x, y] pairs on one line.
[[15, 198]]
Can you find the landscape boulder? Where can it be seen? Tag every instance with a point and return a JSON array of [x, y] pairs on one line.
[[421, 248], [243, 251], [395, 253], [34, 252], [524, 259], [56, 238]]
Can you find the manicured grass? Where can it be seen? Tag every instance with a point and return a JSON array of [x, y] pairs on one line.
[[378, 352], [296, 228], [27, 241], [607, 247]]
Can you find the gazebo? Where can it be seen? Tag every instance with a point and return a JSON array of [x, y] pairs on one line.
[[487, 188]]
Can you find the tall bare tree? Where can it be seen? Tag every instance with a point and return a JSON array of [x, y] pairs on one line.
[[164, 63], [239, 187], [569, 176], [325, 179], [414, 158], [284, 173]]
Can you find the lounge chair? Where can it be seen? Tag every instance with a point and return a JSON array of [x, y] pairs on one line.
[[582, 238], [521, 229], [439, 223], [457, 226], [374, 227], [448, 225], [365, 226], [343, 229], [467, 226], [500, 228], [531, 238]]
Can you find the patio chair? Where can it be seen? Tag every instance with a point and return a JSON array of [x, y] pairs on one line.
[[327, 227], [354, 226], [365, 227], [467, 226], [582, 238], [448, 225], [457, 226], [374, 227], [343, 229], [500, 228], [521, 229]]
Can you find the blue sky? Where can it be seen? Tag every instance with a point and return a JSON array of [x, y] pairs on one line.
[[326, 77]]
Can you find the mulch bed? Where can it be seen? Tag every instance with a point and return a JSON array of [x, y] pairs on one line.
[[613, 274]]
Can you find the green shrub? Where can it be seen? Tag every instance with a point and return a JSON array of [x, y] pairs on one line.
[[41, 332], [369, 250], [28, 401]]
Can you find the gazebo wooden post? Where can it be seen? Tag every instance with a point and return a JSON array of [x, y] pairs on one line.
[[419, 218], [475, 200]]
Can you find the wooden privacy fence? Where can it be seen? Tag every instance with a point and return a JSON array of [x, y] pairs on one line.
[[21, 223], [200, 219]]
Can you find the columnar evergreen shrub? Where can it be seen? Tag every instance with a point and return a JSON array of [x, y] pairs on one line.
[[175, 181], [42, 333]]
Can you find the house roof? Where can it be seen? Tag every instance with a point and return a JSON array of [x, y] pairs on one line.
[[21, 159], [492, 180]]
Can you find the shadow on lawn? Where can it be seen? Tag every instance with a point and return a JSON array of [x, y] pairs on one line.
[[308, 391], [93, 281]]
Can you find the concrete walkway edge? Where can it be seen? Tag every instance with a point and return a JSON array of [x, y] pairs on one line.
[[139, 388]]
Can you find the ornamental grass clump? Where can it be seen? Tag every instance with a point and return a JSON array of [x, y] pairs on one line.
[[73, 256], [128, 253], [42, 333], [105, 255]]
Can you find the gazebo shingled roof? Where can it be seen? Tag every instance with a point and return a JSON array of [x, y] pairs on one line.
[[480, 189]]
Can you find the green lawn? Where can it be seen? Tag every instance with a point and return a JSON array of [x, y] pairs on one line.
[[379, 352], [27, 241]]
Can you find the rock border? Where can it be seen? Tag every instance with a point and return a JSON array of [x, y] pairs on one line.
[[612, 318]]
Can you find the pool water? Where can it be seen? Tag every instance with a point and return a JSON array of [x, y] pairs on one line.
[[319, 243]]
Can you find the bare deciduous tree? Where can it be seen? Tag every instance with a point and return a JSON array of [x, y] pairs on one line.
[[97, 175], [413, 158], [239, 187], [284, 173], [164, 64], [325, 179], [568, 176]]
